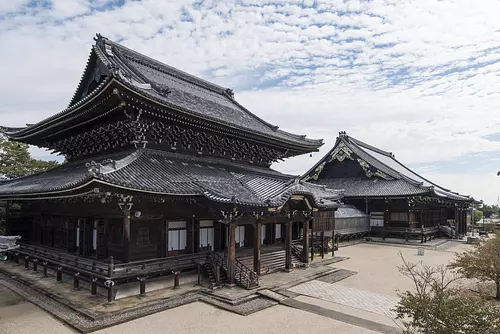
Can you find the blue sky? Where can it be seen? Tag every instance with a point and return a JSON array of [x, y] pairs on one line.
[[418, 78]]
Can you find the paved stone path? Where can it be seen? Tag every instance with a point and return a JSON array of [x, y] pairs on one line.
[[336, 293]]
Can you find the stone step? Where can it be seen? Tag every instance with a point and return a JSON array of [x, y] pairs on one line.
[[272, 295]]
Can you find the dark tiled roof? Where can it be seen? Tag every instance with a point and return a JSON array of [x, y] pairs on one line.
[[348, 211], [178, 175], [191, 93], [372, 187], [186, 93], [399, 180]]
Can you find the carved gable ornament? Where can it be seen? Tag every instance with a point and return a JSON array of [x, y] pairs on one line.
[[341, 152], [369, 173]]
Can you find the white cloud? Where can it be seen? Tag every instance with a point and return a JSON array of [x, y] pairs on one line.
[[419, 78]]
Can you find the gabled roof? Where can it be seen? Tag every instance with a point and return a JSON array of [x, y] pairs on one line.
[[168, 86], [163, 173], [386, 176]]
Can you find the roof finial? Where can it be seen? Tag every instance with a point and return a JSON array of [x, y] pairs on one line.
[[230, 93], [342, 134]]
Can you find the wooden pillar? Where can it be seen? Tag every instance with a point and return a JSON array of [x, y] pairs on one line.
[[231, 252], [288, 246], [191, 231], [322, 244], [77, 236], [126, 235], [305, 241], [94, 238], [311, 232], [256, 247]]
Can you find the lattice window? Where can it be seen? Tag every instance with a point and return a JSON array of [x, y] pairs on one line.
[[143, 236]]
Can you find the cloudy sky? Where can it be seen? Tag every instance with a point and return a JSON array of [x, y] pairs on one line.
[[417, 78]]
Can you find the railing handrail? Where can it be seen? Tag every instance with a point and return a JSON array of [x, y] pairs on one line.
[[246, 276], [296, 251], [162, 259]]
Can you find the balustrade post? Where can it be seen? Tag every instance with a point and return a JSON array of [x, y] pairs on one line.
[[26, 262], [93, 286], [109, 285], [142, 286], [35, 265], [76, 281], [217, 274], [198, 271], [176, 278], [111, 266], [59, 274], [45, 269]]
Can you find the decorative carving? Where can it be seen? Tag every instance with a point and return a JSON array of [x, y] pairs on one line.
[[317, 171], [138, 131], [125, 202], [341, 152], [369, 173], [230, 93], [161, 89], [94, 168]]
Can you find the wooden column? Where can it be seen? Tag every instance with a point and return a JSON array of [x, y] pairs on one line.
[[231, 252], [305, 241], [94, 238], [288, 246], [77, 236], [256, 247], [191, 231], [126, 235], [311, 245]]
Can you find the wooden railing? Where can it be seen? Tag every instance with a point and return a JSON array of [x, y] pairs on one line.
[[158, 265], [75, 263], [244, 276], [296, 250]]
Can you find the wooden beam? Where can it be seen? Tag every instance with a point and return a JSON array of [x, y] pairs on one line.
[[256, 247], [305, 241], [126, 235], [288, 246], [231, 253]]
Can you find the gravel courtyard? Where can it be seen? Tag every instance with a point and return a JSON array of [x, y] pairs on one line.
[[378, 278]]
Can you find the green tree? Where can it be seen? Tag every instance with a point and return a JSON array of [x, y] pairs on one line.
[[16, 161], [436, 306], [478, 215], [482, 262], [488, 210]]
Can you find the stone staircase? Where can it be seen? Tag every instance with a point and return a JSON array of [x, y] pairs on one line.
[[212, 277]]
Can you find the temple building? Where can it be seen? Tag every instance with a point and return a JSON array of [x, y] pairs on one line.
[[163, 170], [398, 200]]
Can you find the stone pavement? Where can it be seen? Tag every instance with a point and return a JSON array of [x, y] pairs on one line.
[[361, 299]]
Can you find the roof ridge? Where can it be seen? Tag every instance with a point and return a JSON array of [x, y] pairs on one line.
[[226, 92], [365, 145], [392, 156], [176, 72]]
